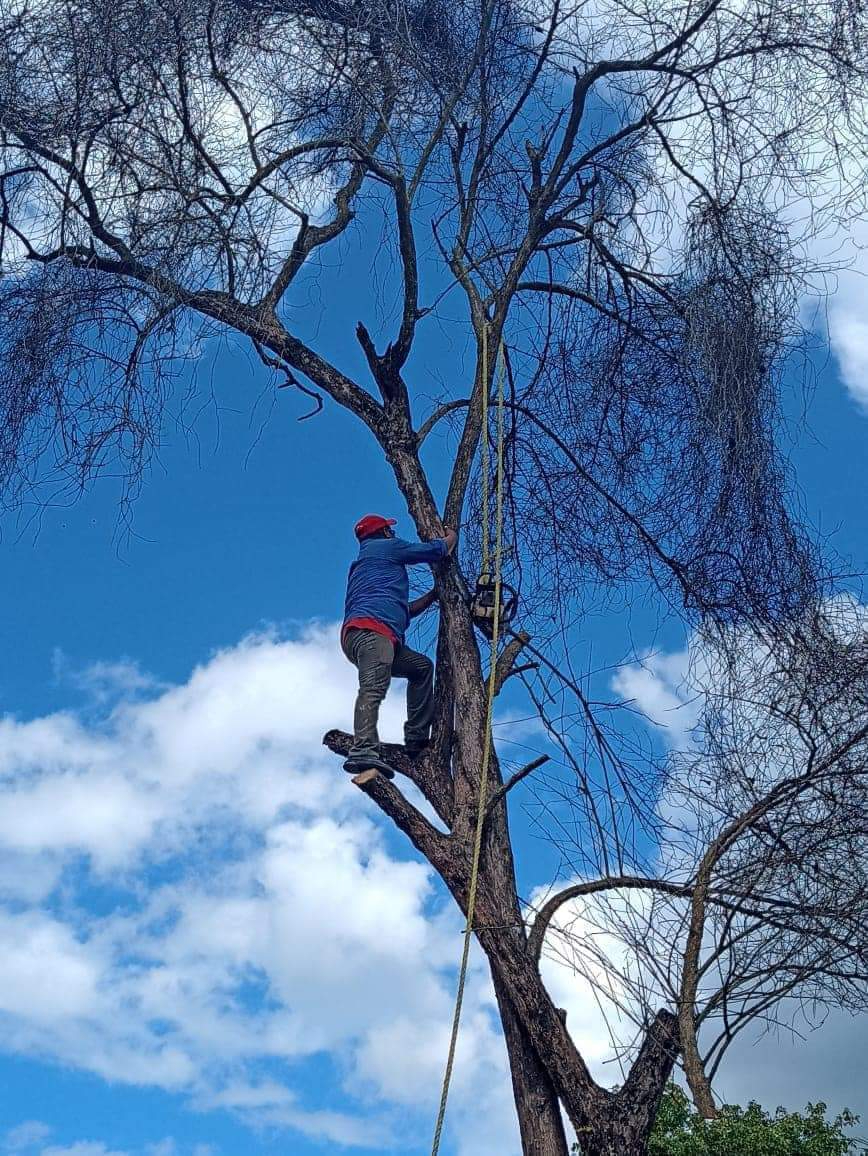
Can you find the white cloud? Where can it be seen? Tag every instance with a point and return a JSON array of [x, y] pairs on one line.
[[290, 928], [669, 688], [45, 969], [26, 1135], [657, 686], [31, 1138], [848, 330], [847, 325], [774, 1067], [82, 1148], [593, 974], [104, 681]]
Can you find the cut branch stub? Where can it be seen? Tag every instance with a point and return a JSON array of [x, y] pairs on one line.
[[436, 787], [424, 836]]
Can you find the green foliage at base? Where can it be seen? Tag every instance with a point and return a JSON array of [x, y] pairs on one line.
[[749, 1131]]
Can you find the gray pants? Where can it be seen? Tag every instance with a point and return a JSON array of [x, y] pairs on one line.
[[379, 661]]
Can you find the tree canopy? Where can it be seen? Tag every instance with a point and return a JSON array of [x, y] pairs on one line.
[[619, 205]]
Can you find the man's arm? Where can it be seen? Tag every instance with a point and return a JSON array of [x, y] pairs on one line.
[[420, 605], [412, 553]]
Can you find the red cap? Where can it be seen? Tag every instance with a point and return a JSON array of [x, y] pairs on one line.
[[370, 524]]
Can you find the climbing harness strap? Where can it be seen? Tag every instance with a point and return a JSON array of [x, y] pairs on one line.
[[490, 567]]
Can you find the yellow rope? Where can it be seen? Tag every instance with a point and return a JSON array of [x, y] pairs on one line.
[[484, 462], [489, 711]]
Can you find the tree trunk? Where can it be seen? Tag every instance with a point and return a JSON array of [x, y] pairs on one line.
[[547, 1070], [621, 1123], [697, 1081], [694, 1069], [617, 1137], [536, 1102]]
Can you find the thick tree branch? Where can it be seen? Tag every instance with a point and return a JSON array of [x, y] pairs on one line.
[[439, 413], [593, 887], [261, 328], [434, 785]]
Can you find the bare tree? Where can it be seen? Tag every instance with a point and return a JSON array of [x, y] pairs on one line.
[[619, 196], [756, 915]]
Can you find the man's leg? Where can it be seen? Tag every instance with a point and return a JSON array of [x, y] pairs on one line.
[[372, 654], [418, 670]]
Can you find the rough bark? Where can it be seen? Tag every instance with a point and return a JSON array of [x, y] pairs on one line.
[[536, 1101], [539, 1117], [694, 1069]]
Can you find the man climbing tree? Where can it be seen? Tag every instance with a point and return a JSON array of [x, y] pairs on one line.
[[376, 615], [623, 199]]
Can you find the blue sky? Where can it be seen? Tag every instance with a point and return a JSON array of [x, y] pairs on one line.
[[246, 531], [214, 945]]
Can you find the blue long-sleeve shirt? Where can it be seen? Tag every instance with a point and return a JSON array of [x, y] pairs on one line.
[[378, 586]]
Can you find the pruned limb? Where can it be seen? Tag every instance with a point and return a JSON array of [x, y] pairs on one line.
[[643, 1088], [435, 787], [526, 770], [430, 842], [368, 348]]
